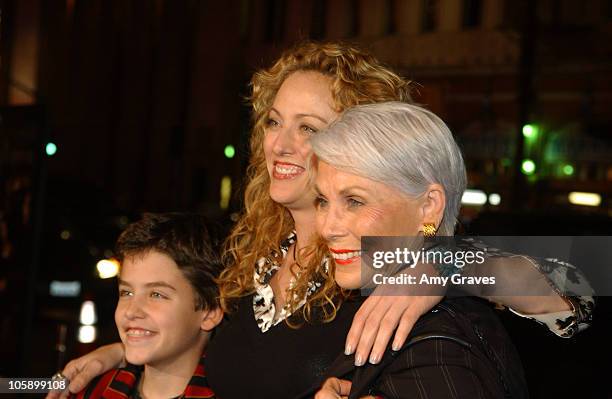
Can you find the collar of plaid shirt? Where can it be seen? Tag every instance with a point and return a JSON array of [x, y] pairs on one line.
[[121, 383]]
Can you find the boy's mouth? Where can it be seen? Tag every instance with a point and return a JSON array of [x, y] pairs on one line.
[[138, 332]]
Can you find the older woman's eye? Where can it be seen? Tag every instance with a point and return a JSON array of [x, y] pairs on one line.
[[320, 202], [353, 203]]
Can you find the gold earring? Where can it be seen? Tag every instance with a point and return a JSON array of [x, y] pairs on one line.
[[429, 230]]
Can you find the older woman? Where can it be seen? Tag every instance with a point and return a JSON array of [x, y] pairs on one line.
[[394, 169]]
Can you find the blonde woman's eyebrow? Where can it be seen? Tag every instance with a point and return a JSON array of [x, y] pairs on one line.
[[303, 115], [275, 111], [312, 116]]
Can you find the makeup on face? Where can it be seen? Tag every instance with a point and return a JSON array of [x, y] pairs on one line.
[[303, 105], [351, 206]]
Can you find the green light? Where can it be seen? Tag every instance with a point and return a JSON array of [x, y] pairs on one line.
[[530, 131], [50, 149], [568, 170], [229, 151], [528, 167]]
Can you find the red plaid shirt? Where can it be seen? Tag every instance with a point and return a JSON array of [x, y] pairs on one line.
[[122, 384]]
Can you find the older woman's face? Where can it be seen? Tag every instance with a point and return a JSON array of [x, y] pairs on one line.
[[302, 106], [351, 206]]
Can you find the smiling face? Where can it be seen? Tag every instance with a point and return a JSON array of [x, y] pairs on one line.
[[303, 105], [351, 206], [156, 315]]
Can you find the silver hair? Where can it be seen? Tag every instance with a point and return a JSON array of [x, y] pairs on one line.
[[401, 145]]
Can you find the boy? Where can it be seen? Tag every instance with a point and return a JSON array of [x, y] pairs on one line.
[[167, 308]]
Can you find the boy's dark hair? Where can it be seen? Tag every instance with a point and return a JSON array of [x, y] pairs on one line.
[[184, 238]]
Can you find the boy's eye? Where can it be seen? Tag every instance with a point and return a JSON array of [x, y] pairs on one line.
[[158, 295], [124, 293]]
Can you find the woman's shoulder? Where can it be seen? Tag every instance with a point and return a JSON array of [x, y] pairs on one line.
[[459, 345]]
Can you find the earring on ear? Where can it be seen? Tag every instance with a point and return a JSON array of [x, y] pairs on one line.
[[429, 230]]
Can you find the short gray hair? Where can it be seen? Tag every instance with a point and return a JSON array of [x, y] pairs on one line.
[[398, 144]]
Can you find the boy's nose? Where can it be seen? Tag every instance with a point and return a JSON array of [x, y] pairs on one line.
[[134, 310]]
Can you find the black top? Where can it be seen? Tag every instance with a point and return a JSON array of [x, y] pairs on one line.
[[458, 350], [243, 362]]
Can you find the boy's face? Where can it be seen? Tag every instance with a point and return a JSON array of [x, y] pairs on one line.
[[155, 314]]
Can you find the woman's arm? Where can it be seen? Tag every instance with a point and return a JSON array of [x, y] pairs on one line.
[[81, 371], [548, 290], [385, 315], [556, 294]]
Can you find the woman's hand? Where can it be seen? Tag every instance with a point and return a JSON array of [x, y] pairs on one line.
[[81, 371], [378, 318], [335, 388], [391, 308]]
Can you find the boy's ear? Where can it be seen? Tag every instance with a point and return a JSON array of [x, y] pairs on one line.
[[211, 318]]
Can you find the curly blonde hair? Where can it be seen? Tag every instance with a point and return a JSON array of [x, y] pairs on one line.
[[356, 78]]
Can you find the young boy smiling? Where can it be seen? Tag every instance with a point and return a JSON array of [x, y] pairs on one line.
[[167, 309]]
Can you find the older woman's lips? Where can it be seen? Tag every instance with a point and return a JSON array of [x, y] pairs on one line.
[[345, 256], [284, 170]]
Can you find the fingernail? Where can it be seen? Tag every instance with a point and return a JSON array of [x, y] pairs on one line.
[[374, 359], [396, 347], [359, 361], [348, 350]]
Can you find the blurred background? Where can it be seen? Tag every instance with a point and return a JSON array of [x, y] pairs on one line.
[[110, 108]]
